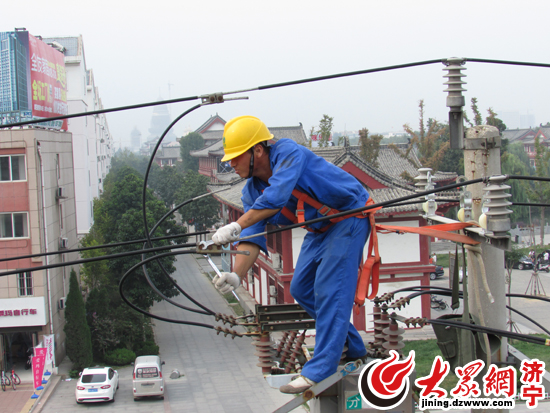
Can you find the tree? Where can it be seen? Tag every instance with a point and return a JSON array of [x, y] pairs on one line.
[[188, 143], [77, 332], [478, 120], [539, 191], [94, 274], [203, 213], [119, 217], [325, 131], [427, 142], [166, 183], [370, 146], [514, 161], [494, 121]]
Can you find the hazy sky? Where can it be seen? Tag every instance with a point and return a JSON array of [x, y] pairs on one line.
[[136, 49]]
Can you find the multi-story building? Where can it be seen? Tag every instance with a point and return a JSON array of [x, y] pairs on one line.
[[37, 215], [14, 93], [93, 145]]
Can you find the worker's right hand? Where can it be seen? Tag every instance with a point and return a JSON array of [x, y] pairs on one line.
[[227, 282]]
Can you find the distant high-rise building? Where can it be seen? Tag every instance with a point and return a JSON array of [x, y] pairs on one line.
[[527, 121], [135, 139], [14, 55], [159, 122]]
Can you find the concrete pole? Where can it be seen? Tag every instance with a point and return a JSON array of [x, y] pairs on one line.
[[482, 159]]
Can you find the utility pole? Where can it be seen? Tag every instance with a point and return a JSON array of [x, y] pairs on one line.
[[486, 299], [481, 145]]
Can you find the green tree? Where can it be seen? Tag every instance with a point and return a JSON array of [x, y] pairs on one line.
[[94, 274], [77, 332], [166, 183], [370, 146], [478, 120], [494, 121], [188, 143], [325, 130], [426, 141], [202, 213], [514, 161], [118, 217], [539, 191]]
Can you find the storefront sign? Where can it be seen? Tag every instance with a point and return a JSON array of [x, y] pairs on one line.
[[22, 312]]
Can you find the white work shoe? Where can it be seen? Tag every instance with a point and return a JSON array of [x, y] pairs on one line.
[[298, 385]]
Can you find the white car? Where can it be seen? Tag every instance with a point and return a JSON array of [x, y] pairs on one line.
[[96, 384]]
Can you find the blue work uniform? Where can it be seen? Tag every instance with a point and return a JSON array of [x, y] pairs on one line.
[[325, 277]]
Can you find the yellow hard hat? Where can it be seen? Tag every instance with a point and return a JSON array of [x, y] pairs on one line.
[[242, 133]]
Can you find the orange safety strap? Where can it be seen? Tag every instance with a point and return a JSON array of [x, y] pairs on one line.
[[369, 273], [322, 209]]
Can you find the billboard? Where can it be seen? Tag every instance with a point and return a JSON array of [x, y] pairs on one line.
[[36, 86]]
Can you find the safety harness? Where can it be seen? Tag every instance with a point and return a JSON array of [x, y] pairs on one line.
[[369, 271]]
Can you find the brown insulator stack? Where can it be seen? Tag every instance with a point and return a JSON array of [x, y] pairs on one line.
[[287, 349], [296, 351], [394, 338], [282, 343], [265, 352], [379, 326]]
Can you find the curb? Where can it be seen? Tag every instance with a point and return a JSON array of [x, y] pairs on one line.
[[43, 397]]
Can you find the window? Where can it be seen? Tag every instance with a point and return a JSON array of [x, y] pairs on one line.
[[14, 225], [24, 282], [61, 216], [12, 168]]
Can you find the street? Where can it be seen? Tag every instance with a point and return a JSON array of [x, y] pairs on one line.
[[219, 374]]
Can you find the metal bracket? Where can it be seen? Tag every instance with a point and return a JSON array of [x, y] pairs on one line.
[[482, 143], [320, 387], [212, 98]]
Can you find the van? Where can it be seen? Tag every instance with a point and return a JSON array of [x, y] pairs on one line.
[[148, 380]]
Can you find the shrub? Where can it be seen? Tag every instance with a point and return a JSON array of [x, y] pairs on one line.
[[148, 348], [120, 357]]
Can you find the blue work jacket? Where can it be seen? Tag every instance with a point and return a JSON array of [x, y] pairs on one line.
[[295, 167]]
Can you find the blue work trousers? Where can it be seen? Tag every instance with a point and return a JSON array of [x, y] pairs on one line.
[[324, 284]]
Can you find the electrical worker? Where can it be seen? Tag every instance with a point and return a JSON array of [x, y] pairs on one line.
[[325, 277]]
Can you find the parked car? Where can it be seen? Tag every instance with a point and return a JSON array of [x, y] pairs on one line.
[[96, 384], [525, 263], [148, 380], [438, 272]]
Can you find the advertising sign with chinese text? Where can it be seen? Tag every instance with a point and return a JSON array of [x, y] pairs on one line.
[[22, 312], [38, 362], [50, 349], [48, 82]]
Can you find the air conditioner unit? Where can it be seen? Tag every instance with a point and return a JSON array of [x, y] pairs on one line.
[[272, 291], [60, 193], [63, 243], [62, 302], [276, 260], [272, 300]]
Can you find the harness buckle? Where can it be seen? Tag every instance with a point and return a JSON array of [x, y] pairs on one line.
[[325, 210]]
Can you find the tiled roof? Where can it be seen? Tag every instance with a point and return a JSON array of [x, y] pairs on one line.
[[515, 134], [168, 152], [296, 133], [213, 119]]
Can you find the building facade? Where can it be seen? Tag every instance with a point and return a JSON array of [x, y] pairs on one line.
[[37, 215], [93, 145]]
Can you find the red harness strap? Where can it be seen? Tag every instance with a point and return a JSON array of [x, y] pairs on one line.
[[369, 271], [322, 209]]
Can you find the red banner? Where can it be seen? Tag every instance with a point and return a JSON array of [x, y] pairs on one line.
[[38, 362], [48, 81]]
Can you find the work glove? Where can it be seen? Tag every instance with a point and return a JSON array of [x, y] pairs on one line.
[[227, 282], [227, 234]]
